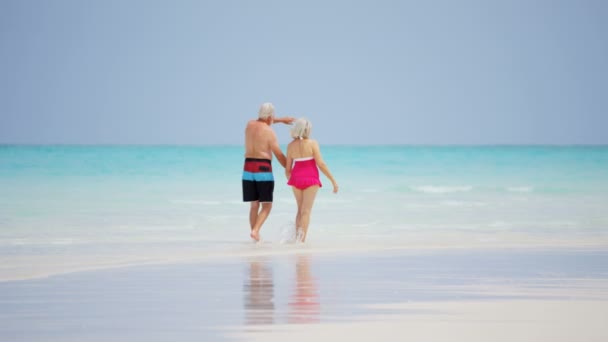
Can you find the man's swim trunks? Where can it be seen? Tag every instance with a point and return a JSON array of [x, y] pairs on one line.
[[304, 173], [258, 183]]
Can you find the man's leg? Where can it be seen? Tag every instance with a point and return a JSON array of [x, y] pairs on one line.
[[262, 216], [253, 213]]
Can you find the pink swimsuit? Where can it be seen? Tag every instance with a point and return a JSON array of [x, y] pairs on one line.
[[304, 173]]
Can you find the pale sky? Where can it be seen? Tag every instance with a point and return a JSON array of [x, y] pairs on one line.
[[364, 72]]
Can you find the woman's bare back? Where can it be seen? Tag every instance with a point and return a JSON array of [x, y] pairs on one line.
[[301, 148]]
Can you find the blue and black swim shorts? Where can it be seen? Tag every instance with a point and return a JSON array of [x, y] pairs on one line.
[[258, 182]]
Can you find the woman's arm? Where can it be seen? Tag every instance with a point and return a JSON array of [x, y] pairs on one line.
[[322, 166], [288, 162]]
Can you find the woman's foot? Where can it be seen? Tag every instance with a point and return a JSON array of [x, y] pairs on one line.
[[300, 235]]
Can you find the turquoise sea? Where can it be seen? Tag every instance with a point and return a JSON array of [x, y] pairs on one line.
[[98, 205]]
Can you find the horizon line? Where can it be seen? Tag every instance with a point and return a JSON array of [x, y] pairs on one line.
[[326, 144]]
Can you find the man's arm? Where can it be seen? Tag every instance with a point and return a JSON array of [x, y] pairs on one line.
[[276, 149], [288, 120]]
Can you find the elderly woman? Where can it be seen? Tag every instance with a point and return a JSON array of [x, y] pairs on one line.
[[302, 169]]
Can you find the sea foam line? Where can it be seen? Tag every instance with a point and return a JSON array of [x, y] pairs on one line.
[[520, 189], [442, 189]]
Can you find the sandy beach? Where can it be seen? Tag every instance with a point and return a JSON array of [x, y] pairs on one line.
[[494, 320], [273, 295]]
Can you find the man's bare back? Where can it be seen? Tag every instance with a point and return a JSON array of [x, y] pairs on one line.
[[261, 142]]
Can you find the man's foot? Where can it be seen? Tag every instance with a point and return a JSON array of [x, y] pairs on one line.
[[255, 234]]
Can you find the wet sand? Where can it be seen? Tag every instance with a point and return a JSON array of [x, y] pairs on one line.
[[297, 295]]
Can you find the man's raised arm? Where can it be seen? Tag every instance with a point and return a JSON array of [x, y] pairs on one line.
[[288, 120]]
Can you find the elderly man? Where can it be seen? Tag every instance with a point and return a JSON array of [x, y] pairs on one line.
[[258, 182]]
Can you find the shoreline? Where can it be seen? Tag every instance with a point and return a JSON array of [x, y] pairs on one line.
[[33, 267]]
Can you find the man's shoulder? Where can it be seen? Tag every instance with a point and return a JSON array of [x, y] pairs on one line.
[[257, 124], [254, 125]]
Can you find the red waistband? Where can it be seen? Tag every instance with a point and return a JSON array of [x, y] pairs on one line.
[[257, 165]]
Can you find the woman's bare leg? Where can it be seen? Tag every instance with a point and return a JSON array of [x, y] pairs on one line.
[[308, 199], [298, 194]]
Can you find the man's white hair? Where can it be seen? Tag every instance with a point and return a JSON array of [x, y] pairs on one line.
[[301, 129], [266, 110]]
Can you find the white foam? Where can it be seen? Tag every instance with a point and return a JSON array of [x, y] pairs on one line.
[[520, 189], [370, 191], [203, 202], [463, 204], [407, 238], [15, 242], [432, 189], [64, 241], [288, 233]]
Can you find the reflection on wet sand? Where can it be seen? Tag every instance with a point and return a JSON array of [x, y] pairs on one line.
[[259, 293], [304, 305]]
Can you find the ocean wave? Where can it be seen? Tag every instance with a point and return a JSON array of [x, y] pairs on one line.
[[64, 241], [463, 204], [432, 189], [14, 242], [520, 189], [40, 241], [198, 202], [370, 191]]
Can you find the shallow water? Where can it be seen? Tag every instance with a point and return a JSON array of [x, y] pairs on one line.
[[135, 202]]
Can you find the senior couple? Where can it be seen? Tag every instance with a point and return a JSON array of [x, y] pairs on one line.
[[301, 162]]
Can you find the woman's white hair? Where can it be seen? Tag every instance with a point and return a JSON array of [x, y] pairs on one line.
[[301, 129], [266, 110]]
